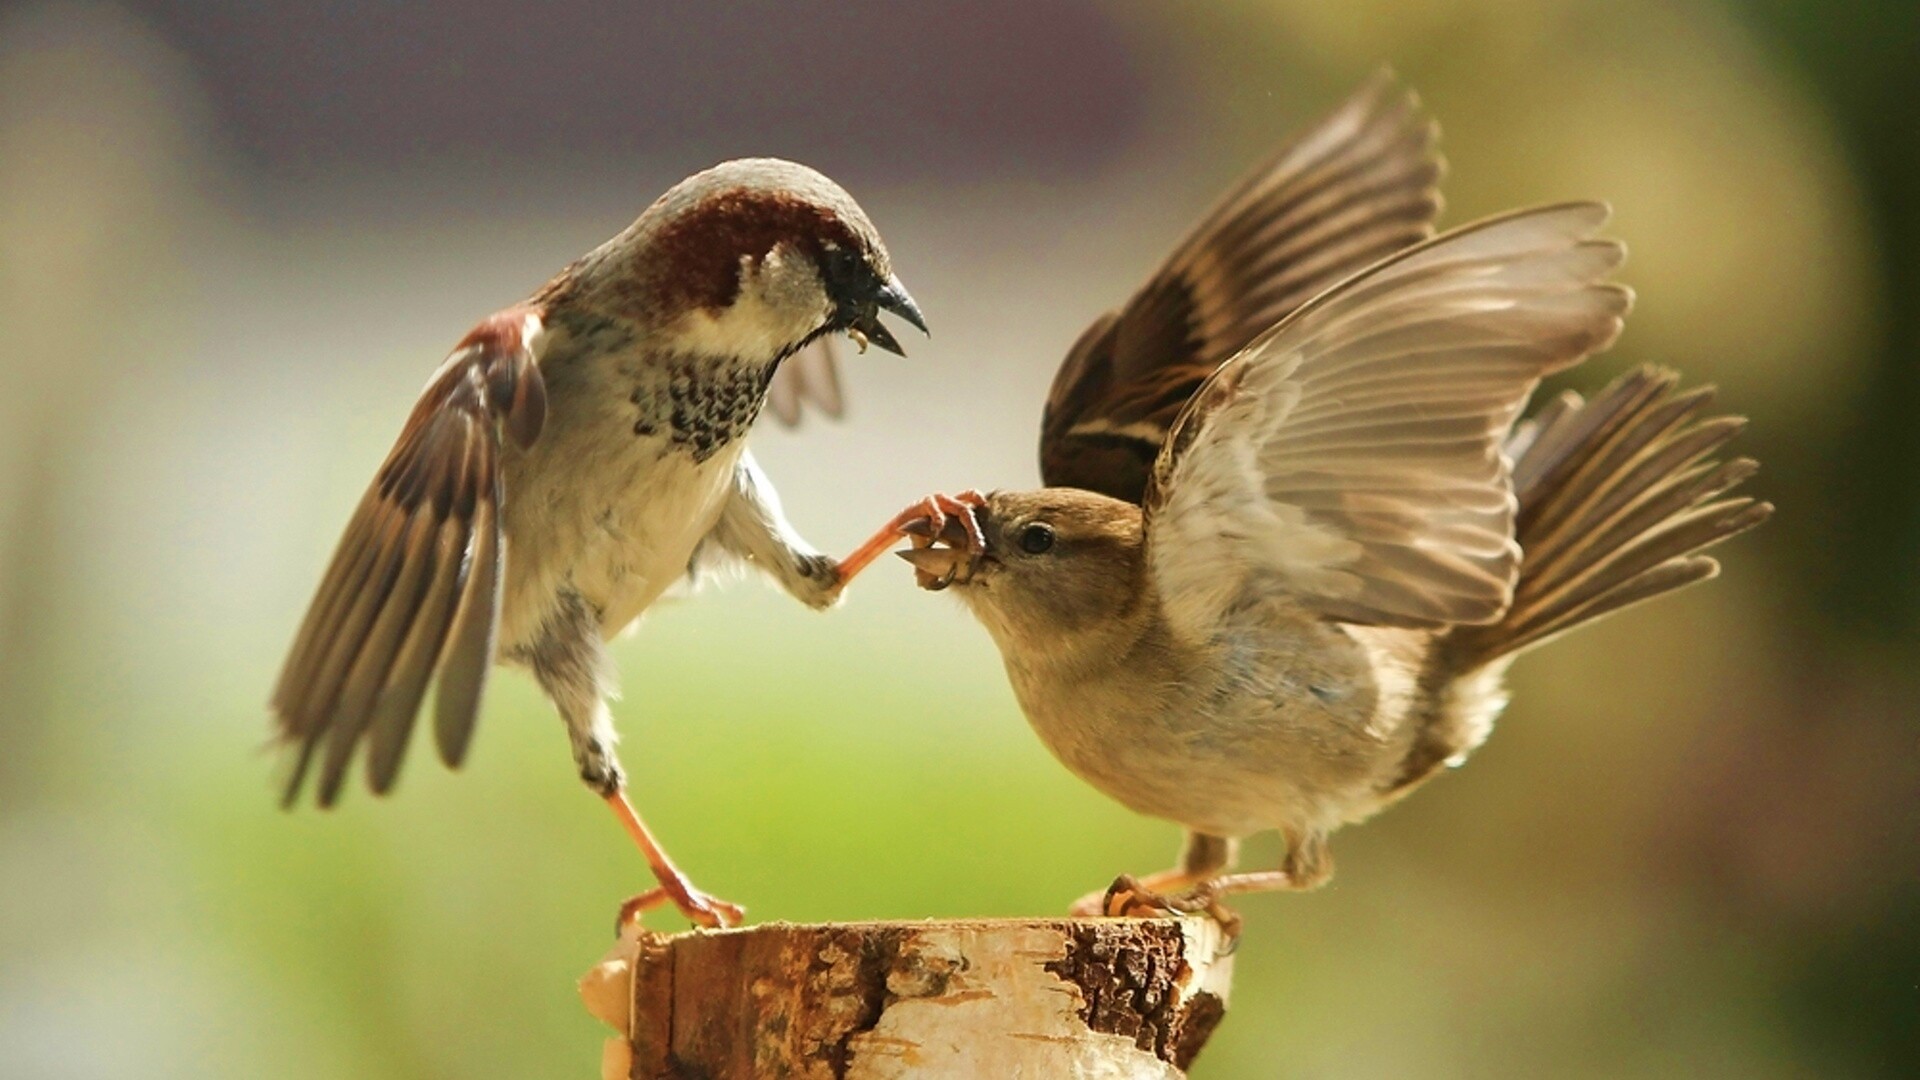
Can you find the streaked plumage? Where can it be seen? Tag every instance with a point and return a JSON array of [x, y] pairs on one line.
[[567, 462]]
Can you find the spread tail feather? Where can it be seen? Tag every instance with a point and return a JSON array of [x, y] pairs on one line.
[[1618, 498]]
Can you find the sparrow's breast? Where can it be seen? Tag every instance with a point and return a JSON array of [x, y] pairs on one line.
[[1266, 727], [630, 474]]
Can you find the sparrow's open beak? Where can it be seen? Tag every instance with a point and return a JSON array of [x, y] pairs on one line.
[[936, 567], [892, 297]]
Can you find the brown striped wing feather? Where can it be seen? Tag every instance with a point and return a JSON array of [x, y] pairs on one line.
[[1356, 187], [1351, 457], [414, 587]]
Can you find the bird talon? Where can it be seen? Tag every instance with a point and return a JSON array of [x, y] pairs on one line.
[[713, 912], [1125, 896], [698, 908], [961, 508], [1113, 902], [1129, 898], [926, 518], [633, 907]]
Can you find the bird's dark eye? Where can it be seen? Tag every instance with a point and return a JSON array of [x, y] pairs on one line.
[[1036, 539], [841, 265]]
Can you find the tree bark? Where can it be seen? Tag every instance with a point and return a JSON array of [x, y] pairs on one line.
[[1046, 998]]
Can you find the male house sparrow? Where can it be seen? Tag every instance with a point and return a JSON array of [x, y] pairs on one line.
[[1275, 584], [568, 463]]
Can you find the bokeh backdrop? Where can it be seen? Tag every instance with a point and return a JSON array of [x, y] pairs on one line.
[[235, 237]]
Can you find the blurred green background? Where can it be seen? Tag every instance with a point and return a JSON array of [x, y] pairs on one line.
[[235, 238]]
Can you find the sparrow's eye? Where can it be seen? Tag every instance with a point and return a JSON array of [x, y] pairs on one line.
[[840, 264], [1036, 539]]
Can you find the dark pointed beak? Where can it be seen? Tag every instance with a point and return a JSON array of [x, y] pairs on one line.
[[892, 297], [872, 329]]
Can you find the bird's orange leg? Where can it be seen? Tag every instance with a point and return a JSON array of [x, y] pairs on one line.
[[699, 908], [1307, 866], [934, 510], [1255, 881]]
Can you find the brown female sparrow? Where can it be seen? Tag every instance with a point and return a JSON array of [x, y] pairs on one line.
[[1275, 584], [571, 460]]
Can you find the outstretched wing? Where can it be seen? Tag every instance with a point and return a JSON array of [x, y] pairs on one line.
[[1354, 188], [809, 378], [414, 587], [1351, 456]]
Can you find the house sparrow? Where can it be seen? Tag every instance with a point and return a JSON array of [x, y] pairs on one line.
[[1285, 599], [569, 462]]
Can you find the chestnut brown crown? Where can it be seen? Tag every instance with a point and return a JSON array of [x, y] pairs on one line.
[[774, 225]]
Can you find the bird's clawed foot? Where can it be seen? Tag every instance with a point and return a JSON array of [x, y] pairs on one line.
[[950, 518], [1130, 898], [699, 909], [947, 539], [926, 520]]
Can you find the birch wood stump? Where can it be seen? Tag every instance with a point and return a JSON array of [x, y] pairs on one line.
[[1112, 999]]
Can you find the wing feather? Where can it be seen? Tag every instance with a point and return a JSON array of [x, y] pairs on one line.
[[398, 703], [1354, 188], [810, 377], [1351, 456], [414, 586], [469, 653]]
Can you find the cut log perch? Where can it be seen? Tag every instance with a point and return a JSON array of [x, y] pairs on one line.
[[1114, 999]]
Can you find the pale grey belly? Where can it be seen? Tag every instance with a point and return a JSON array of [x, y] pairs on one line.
[[1216, 757], [615, 527], [1165, 769]]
